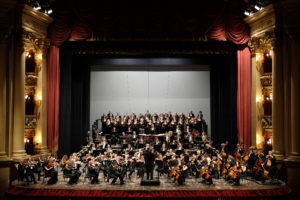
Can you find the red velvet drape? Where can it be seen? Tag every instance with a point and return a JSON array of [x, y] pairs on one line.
[[53, 81], [76, 20], [244, 96], [233, 28], [59, 32]]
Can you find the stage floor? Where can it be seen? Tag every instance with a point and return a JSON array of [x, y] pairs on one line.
[[166, 184]]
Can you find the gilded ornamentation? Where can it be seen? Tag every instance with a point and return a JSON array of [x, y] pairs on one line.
[[30, 123], [267, 90], [266, 122], [29, 133], [266, 81], [30, 90], [30, 80]]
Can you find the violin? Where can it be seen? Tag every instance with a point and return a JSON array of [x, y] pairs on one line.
[[268, 163], [237, 155], [246, 158], [219, 163], [223, 154], [174, 171], [256, 169], [203, 171]]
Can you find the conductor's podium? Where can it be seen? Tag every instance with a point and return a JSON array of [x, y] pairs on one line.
[[150, 182]]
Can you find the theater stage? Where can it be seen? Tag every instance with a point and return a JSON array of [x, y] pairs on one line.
[[192, 188]]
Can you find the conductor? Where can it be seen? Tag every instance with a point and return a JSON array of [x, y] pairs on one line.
[[149, 162]]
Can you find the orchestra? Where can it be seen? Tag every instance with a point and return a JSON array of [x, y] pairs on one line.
[[184, 150]]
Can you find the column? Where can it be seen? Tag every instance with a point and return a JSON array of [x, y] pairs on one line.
[[253, 98], [18, 103], [278, 102], [3, 89], [41, 130]]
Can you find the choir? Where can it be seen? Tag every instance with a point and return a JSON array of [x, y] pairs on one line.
[[173, 145]]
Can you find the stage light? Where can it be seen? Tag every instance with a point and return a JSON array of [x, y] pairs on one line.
[[257, 58], [37, 7], [38, 139], [257, 7], [40, 56], [49, 11], [247, 13], [258, 99]]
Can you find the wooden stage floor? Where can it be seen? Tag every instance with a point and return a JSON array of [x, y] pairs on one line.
[[132, 189], [165, 184]]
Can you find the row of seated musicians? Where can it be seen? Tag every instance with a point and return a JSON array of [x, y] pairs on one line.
[[159, 147], [169, 137], [151, 129]]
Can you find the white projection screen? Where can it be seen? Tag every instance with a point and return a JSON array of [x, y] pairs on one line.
[[127, 89]]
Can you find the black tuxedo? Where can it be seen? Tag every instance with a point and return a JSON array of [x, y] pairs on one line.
[[149, 162]]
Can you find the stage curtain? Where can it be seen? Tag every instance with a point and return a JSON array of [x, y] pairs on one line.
[[60, 31], [244, 96], [223, 87], [232, 27], [53, 86], [76, 20], [74, 103], [65, 113]]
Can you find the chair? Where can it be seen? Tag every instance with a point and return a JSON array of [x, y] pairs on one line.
[[45, 175], [86, 173], [65, 176]]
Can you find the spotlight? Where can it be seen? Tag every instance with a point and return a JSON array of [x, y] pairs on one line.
[[257, 7], [247, 13], [49, 11], [37, 7]]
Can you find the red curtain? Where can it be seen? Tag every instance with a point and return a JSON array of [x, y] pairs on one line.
[[53, 78], [244, 96], [59, 32], [77, 20], [233, 28]]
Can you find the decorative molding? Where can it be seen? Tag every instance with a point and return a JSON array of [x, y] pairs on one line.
[[264, 42], [30, 80], [266, 122], [30, 89], [30, 122], [267, 90], [35, 22], [149, 47], [29, 132], [266, 81], [261, 21]]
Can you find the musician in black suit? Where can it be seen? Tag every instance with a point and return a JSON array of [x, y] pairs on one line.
[[115, 172], [149, 162], [71, 172]]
